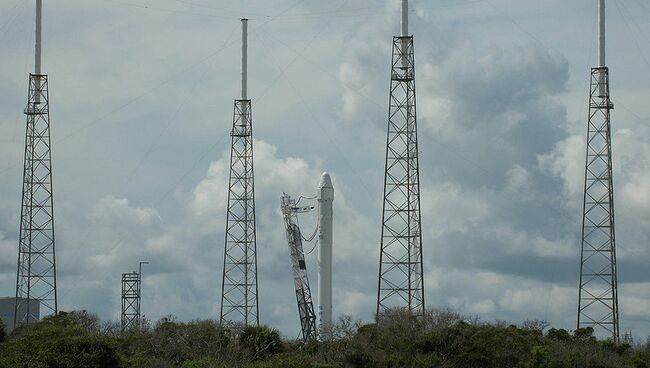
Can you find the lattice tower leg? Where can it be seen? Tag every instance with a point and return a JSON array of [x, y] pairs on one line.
[[36, 275], [598, 289], [401, 282], [239, 297]]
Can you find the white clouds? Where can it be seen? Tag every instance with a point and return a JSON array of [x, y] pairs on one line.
[[110, 209], [353, 80], [630, 152], [210, 195], [566, 161], [518, 179], [447, 207], [492, 295], [486, 84], [7, 248]]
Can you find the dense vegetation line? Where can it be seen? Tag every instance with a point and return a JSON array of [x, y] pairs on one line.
[[441, 339]]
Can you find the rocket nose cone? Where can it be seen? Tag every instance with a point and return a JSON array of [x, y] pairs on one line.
[[325, 181]]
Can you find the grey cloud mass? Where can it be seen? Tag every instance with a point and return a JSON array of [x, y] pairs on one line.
[[142, 102]]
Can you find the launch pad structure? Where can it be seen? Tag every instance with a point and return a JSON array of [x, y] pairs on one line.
[[290, 211], [312, 326]]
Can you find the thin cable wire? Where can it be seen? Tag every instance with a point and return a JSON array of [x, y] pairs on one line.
[[315, 230], [165, 81], [635, 35], [161, 131], [303, 197], [313, 235], [350, 13], [312, 248], [148, 7], [452, 150]]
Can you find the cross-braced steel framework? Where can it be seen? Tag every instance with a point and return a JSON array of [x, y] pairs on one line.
[[400, 264], [239, 301], [300, 277], [36, 275], [598, 295], [130, 316]]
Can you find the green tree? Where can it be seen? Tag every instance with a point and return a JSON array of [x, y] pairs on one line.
[[259, 342], [58, 341]]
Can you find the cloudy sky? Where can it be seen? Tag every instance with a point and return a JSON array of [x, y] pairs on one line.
[[141, 105]]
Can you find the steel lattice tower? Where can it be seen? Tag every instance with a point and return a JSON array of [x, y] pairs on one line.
[[598, 289], [401, 283], [36, 274], [239, 296], [306, 312], [131, 312], [131, 286]]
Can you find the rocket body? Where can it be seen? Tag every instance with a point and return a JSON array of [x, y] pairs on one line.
[[325, 202]]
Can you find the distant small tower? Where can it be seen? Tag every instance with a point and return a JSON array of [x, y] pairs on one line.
[[598, 289], [36, 275], [131, 312], [401, 282], [130, 316], [239, 294]]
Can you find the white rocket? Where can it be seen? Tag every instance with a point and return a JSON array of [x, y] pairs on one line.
[[325, 199]]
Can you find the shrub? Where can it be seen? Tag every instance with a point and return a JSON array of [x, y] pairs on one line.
[[58, 341], [260, 342], [174, 343]]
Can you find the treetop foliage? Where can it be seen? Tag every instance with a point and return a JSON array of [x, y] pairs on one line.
[[441, 338]]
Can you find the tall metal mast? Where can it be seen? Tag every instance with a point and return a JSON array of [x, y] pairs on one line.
[[299, 266], [400, 263], [239, 293], [36, 275], [598, 289]]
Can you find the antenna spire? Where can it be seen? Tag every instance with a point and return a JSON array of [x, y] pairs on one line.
[[244, 58], [39, 20], [405, 18], [601, 33]]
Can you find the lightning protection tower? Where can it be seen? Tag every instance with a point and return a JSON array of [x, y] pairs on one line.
[[290, 212], [36, 275], [598, 294], [400, 263], [239, 293]]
